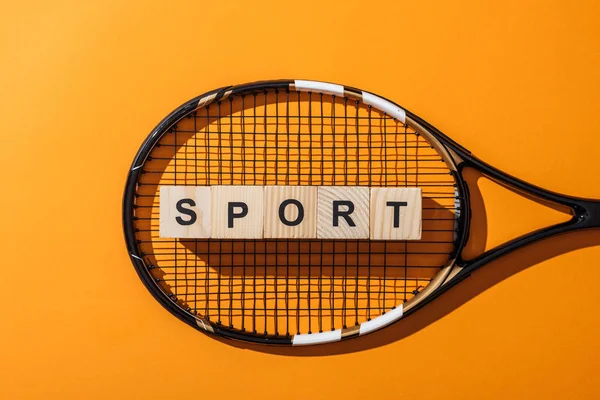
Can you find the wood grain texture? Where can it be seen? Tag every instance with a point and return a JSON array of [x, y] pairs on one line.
[[169, 215], [359, 196], [248, 227], [382, 214], [275, 228]]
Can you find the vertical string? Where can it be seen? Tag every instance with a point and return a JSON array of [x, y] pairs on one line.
[[287, 181], [345, 278], [265, 266], [320, 278], [196, 240], [369, 163], [243, 160], [356, 298], [384, 170], [219, 179], [276, 175], [405, 185], [207, 275], [333, 171], [254, 294], [298, 280], [175, 183], [231, 180]]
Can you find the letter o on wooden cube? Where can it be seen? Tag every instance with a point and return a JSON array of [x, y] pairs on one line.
[[290, 212]]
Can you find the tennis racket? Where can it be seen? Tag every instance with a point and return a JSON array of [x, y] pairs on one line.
[[310, 291]]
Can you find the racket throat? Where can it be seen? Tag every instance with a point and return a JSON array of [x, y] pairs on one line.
[[587, 214]]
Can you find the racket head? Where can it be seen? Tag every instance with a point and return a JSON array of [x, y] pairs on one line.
[[294, 133]]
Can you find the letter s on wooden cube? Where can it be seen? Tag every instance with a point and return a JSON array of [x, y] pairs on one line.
[[185, 212], [237, 212], [396, 213]]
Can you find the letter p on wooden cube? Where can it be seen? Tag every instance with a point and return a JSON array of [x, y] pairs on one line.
[[237, 212], [185, 212], [396, 213]]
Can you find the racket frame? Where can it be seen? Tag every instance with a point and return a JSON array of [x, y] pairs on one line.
[[586, 213]]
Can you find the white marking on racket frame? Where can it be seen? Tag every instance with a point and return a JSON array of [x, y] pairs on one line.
[[384, 105], [320, 87], [316, 338], [381, 321], [203, 325], [457, 205]]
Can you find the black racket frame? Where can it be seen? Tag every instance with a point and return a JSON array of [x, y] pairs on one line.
[[585, 212]]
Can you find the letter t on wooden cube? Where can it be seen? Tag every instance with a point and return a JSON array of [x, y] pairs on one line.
[[290, 212], [396, 213], [237, 212]]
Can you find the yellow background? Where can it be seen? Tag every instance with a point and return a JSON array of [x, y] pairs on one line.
[[82, 84]]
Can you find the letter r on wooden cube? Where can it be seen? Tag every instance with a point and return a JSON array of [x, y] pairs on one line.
[[290, 212], [237, 212], [185, 212], [343, 212], [396, 213]]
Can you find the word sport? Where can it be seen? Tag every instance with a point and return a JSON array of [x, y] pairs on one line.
[[292, 212]]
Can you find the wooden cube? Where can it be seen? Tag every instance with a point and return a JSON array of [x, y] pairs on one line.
[[343, 212], [185, 212], [396, 213], [237, 212], [290, 212]]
